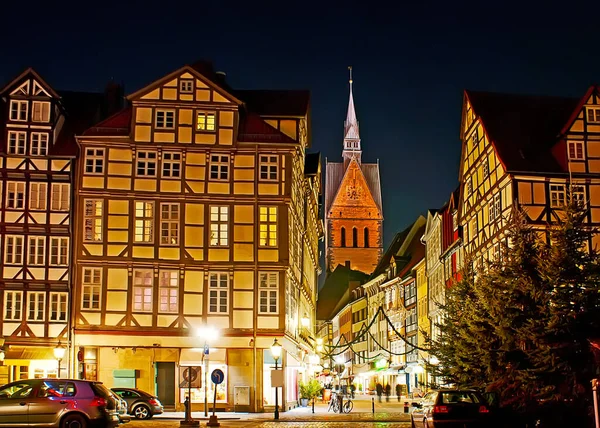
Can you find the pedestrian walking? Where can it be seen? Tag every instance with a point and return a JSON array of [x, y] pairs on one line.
[[398, 390], [379, 389], [388, 391]]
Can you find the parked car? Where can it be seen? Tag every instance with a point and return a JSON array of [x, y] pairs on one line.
[[452, 408], [57, 403], [122, 408], [140, 404]]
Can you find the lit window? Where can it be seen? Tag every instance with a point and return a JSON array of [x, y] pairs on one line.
[[169, 224], [144, 221], [41, 111], [39, 144], [61, 197], [578, 194], [186, 86], [165, 119], [92, 282], [13, 254], [169, 291], [557, 195], [94, 161], [268, 292], [59, 251], [171, 165], [13, 305], [218, 293], [219, 167], [16, 142], [18, 111], [593, 114], [146, 164], [58, 306], [142, 290], [36, 302], [37, 196], [268, 168], [16, 195], [495, 207], [576, 150], [268, 226], [92, 220], [219, 219], [37, 249], [205, 121]]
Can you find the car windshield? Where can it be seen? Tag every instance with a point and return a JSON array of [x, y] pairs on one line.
[[16, 390], [454, 397]]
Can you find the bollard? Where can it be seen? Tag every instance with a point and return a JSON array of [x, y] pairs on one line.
[[313, 405], [406, 407], [373, 405]]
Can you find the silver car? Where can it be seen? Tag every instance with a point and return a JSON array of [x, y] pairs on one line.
[[57, 403]]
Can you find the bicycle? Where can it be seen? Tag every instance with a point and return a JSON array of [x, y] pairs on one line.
[[334, 404]]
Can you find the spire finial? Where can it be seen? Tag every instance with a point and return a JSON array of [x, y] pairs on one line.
[[350, 68]]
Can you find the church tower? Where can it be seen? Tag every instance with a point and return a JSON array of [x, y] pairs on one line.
[[353, 210]]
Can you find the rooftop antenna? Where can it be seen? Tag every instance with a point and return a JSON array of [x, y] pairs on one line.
[[350, 68]]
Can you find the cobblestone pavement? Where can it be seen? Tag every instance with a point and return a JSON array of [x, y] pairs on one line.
[[157, 423]]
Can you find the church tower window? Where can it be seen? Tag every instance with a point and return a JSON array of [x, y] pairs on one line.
[[366, 231], [343, 244], [354, 237]]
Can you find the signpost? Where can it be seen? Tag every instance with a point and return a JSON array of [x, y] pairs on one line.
[[217, 376], [189, 377]]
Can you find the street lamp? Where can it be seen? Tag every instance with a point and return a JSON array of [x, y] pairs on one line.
[[209, 334], [305, 320], [276, 352], [59, 353]]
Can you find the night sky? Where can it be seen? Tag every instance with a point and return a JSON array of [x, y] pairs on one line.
[[411, 64]]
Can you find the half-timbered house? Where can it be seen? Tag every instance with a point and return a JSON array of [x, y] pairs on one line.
[[37, 154], [198, 208]]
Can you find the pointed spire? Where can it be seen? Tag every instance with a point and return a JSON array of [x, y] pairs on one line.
[[351, 124]]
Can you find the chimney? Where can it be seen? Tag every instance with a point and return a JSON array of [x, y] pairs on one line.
[[220, 76], [113, 96]]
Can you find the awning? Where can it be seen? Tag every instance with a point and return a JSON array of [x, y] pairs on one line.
[[191, 357], [29, 353], [360, 369]]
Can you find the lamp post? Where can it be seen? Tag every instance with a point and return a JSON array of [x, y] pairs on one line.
[[276, 352], [209, 334], [59, 354]]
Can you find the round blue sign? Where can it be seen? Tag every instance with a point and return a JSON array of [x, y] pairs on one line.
[[217, 376]]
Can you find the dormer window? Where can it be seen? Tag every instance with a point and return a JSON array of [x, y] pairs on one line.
[[593, 114], [186, 86]]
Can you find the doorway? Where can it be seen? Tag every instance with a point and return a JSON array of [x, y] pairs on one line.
[[165, 383]]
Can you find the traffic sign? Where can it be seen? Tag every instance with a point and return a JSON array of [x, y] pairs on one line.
[[189, 376], [206, 349], [217, 376]]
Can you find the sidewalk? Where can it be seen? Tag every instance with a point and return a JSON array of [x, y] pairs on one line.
[[392, 411]]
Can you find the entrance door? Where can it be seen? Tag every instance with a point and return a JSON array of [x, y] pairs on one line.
[[165, 383]]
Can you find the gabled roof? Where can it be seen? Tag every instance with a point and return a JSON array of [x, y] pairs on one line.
[[336, 291], [253, 129], [334, 174], [276, 102], [37, 77], [523, 128], [116, 125]]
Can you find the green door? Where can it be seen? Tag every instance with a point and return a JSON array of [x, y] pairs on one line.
[[165, 383]]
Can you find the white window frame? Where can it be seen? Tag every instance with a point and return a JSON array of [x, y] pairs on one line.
[[186, 86], [94, 161], [14, 249], [164, 119], [578, 193], [268, 292], [144, 221], [575, 150], [40, 111], [495, 207], [170, 215], [36, 306], [219, 167], [17, 143], [36, 250], [18, 114], [557, 195], [58, 307], [268, 167], [61, 197], [39, 144], [168, 292], [13, 305], [218, 293], [146, 163], [171, 165], [206, 121], [486, 167], [219, 226], [593, 114], [15, 197], [143, 290], [91, 280], [93, 211], [268, 225], [38, 196], [59, 251]]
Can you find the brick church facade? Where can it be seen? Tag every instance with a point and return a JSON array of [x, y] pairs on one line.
[[353, 209]]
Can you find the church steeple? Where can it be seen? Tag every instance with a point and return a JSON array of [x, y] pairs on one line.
[[351, 134]]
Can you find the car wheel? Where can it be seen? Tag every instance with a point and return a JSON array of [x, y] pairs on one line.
[[73, 421], [142, 412]]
